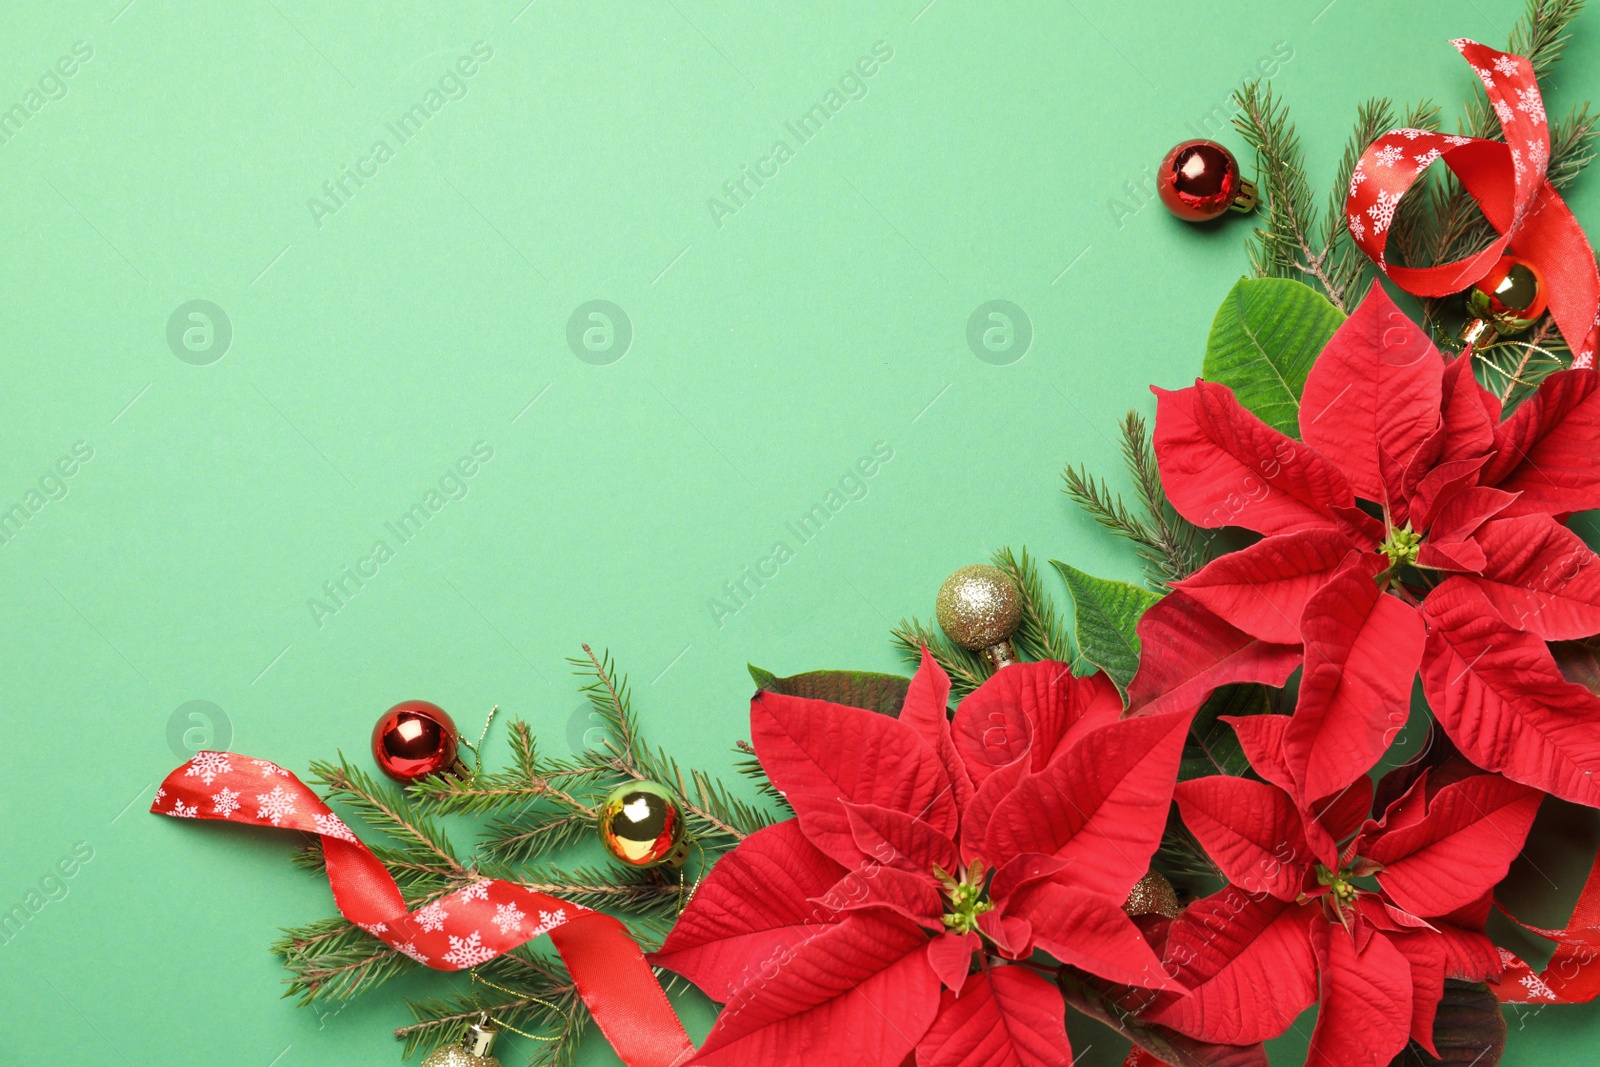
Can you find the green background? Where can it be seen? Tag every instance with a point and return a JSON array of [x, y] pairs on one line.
[[373, 345]]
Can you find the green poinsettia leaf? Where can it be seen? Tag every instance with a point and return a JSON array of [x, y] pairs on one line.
[[884, 693], [1105, 616], [1469, 1030], [1263, 341], [1213, 747]]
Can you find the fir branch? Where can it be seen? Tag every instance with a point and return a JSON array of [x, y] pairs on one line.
[[751, 768], [967, 669], [1042, 634], [389, 810], [331, 959], [629, 890], [1168, 544], [714, 815], [1290, 243]]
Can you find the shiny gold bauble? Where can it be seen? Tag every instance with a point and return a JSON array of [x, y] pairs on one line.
[[1511, 297], [1152, 895], [473, 1050], [979, 607], [641, 824]]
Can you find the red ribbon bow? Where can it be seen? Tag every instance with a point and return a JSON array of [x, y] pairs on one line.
[[1508, 180], [470, 926]]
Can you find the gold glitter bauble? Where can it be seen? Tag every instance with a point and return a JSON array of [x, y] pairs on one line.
[[456, 1056], [1152, 895], [979, 606], [641, 824], [473, 1050]]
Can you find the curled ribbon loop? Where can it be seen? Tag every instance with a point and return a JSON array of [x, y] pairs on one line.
[[470, 926], [1510, 184]]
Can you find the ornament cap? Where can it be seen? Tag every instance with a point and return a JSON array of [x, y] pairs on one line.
[[480, 1036]]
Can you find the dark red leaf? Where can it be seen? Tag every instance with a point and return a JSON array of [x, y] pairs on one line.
[[1008, 1017], [1499, 696], [1187, 652], [1263, 589], [1222, 466], [1376, 385], [1362, 651]]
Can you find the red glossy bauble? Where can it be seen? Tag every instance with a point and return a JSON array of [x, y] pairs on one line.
[[1199, 180], [414, 739]]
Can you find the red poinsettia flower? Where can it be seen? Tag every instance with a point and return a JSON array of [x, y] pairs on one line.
[[928, 860], [1372, 927], [1455, 562]]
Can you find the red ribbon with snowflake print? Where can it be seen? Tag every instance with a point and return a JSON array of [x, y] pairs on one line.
[[1509, 181], [470, 926], [1573, 974]]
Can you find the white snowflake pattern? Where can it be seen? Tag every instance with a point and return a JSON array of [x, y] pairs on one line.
[[1389, 154], [159, 794], [1485, 75], [274, 805], [1357, 176], [1536, 987], [549, 920], [1506, 65], [476, 891], [432, 917], [208, 765], [225, 803], [1358, 229], [374, 928], [1427, 158], [1539, 156], [468, 951], [185, 811], [1410, 133], [411, 950], [1503, 111], [508, 917], [1516, 161], [1506, 958], [1382, 213], [333, 826], [1530, 103], [268, 768], [1457, 140]]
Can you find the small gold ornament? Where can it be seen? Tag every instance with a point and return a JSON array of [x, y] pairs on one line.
[[641, 824], [979, 608], [473, 1050], [1152, 895]]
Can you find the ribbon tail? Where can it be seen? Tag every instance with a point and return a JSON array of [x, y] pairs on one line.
[[1550, 238]]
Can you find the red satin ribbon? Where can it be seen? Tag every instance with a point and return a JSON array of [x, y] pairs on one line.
[[1573, 974], [1508, 180], [470, 926]]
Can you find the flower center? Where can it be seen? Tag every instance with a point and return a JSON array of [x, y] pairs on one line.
[[1401, 546], [964, 896], [1340, 887]]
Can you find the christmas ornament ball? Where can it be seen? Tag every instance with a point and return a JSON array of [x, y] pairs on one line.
[[1200, 180], [414, 739], [1152, 895], [472, 1050], [979, 607], [641, 824], [1511, 297]]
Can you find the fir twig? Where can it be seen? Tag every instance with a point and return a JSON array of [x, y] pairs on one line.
[[1169, 544], [1042, 634], [967, 669]]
